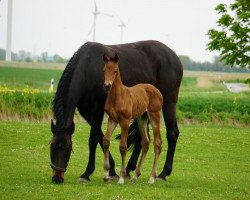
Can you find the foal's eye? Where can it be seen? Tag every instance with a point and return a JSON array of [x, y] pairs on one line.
[[115, 71]]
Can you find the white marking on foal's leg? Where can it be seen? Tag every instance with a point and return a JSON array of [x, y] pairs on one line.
[[121, 180], [151, 180], [106, 174]]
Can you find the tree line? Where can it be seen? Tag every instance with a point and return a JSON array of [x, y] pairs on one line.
[[187, 62], [217, 65], [25, 56]]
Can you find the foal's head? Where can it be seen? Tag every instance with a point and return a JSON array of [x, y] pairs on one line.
[[110, 70]]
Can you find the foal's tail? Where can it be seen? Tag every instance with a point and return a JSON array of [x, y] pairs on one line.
[[134, 136]]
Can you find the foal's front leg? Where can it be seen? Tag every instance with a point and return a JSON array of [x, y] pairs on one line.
[[124, 124], [106, 143]]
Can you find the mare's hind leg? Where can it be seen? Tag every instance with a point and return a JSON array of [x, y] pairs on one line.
[[134, 130], [169, 113], [143, 127], [154, 118]]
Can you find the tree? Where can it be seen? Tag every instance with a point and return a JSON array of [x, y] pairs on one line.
[[44, 56], [232, 38]]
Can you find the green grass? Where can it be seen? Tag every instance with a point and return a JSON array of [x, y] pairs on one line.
[[34, 78], [211, 162]]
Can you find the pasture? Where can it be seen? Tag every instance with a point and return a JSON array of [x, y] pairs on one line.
[[211, 162]]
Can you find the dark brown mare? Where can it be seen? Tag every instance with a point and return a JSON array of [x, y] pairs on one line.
[[143, 103], [80, 87]]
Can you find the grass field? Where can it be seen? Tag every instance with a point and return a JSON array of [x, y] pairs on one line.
[[211, 162], [14, 77]]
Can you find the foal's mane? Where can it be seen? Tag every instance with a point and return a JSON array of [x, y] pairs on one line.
[[60, 99]]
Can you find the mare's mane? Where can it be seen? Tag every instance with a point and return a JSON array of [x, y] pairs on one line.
[[60, 99]]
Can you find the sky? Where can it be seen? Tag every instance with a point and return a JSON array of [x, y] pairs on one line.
[[62, 26]]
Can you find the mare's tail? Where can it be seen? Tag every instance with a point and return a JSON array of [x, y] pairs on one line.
[[134, 136]]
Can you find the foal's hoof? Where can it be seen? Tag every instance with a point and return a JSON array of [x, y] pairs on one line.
[[121, 181], [151, 180], [84, 180], [116, 178], [133, 179]]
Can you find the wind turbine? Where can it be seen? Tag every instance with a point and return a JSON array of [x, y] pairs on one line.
[[122, 26], [9, 31], [96, 13]]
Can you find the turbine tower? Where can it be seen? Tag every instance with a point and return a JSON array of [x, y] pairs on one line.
[[9, 31], [122, 26], [96, 13]]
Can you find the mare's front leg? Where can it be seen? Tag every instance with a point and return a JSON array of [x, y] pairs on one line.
[[124, 124], [94, 116], [106, 143]]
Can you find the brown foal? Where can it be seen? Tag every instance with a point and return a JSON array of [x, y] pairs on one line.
[[142, 102]]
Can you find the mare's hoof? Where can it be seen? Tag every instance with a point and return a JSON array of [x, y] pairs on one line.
[[84, 180], [159, 178]]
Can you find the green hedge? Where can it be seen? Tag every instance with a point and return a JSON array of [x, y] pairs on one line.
[[200, 107], [209, 107]]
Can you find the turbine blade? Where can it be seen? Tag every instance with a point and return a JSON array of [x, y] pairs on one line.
[[106, 14]]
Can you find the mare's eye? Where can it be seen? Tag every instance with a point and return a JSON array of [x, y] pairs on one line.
[[115, 71]]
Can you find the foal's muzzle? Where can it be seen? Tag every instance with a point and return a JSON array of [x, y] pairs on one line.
[[107, 86]]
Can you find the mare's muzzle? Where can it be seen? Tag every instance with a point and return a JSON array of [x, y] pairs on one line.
[[58, 174]]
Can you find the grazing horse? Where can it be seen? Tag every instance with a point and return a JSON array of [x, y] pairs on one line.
[[141, 102], [80, 87]]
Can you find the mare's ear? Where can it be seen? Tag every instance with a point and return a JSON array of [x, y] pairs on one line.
[[53, 127], [105, 58], [71, 128], [116, 59]]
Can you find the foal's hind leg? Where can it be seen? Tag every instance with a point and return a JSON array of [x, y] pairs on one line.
[[154, 118], [143, 127]]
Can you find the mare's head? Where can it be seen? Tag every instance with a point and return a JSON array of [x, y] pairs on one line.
[[110, 70], [60, 150]]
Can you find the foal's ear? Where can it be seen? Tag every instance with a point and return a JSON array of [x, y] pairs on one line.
[[116, 59], [71, 128], [53, 127], [105, 58]]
